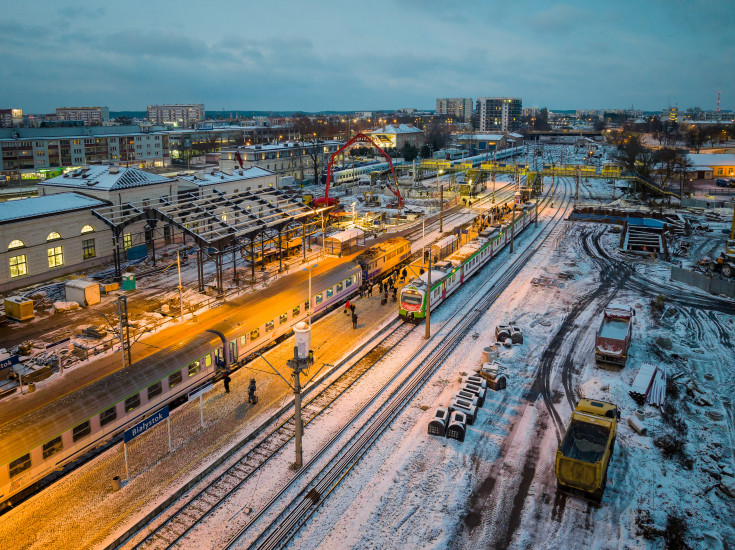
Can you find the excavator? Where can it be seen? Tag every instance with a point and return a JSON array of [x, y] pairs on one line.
[[326, 200]]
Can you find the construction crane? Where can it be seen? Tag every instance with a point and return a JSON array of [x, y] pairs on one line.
[[326, 200]]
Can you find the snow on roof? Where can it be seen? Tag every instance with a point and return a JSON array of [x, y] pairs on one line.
[[513, 134], [481, 137], [46, 206], [397, 129], [347, 234], [709, 160], [214, 177], [108, 178]]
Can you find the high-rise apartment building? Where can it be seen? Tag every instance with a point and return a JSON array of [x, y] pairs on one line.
[[90, 116], [499, 113], [179, 114], [10, 118], [458, 107]]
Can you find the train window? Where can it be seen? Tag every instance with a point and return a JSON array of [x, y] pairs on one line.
[[233, 353], [348, 282], [132, 402], [80, 431], [354, 278], [194, 368], [108, 416], [206, 360], [296, 311], [339, 287], [306, 306], [20, 465], [254, 334], [243, 340], [52, 447], [269, 326], [412, 297], [283, 318], [154, 390], [319, 298], [174, 379], [330, 292]]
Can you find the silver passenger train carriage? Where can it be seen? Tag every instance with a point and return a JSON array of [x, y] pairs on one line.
[[64, 432], [384, 258], [449, 274]]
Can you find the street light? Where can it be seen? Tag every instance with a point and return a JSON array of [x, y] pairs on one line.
[[309, 270]]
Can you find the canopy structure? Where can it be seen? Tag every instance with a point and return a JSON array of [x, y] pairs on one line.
[[217, 223]]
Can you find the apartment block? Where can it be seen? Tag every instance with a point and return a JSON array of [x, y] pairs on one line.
[[499, 113], [10, 118], [458, 107], [186, 115], [90, 116]]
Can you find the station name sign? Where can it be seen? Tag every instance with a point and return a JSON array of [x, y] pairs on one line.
[[145, 425]]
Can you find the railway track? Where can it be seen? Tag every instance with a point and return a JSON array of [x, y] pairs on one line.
[[296, 512], [174, 524]]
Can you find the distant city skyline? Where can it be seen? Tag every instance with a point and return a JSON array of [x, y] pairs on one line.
[[289, 56]]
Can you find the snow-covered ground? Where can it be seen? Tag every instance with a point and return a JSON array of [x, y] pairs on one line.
[[497, 489]]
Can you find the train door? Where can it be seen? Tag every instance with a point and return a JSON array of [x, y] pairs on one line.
[[233, 352], [219, 358], [444, 290], [461, 273]]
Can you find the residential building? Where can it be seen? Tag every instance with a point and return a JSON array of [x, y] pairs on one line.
[[458, 107], [90, 116], [671, 114], [293, 159], [11, 118], [397, 136], [498, 113], [530, 112], [184, 115]]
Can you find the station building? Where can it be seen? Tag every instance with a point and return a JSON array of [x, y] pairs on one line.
[[397, 136], [45, 237], [712, 166], [482, 143]]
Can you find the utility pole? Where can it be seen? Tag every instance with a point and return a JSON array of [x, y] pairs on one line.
[[441, 210], [513, 228], [181, 300], [576, 194], [122, 313], [427, 335], [297, 365]]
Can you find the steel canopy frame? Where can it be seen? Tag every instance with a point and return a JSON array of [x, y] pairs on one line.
[[362, 138]]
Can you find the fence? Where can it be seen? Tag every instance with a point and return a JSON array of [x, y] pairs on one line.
[[713, 285]]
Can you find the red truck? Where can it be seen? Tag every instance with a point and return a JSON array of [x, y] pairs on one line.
[[613, 338]]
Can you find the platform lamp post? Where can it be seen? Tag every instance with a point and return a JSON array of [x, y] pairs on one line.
[[181, 300], [427, 334], [309, 270]]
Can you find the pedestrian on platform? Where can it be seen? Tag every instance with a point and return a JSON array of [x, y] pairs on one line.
[[385, 296], [421, 271], [347, 308], [251, 392], [352, 308], [370, 290], [395, 294], [404, 273], [226, 380], [354, 320]]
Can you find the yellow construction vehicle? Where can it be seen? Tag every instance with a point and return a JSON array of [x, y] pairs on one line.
[[585, 452]]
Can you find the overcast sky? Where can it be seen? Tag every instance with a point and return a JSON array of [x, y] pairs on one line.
[[381, 54]]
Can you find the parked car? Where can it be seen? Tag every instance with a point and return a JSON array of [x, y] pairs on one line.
[[721, 182]]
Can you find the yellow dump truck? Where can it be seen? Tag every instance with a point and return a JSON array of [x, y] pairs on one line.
[[586, 450]]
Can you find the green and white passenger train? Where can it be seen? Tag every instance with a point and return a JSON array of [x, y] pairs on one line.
[[449, 274]]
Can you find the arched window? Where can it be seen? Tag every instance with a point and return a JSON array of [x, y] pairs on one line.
[[16, 244], [87, 229], [53, 236]]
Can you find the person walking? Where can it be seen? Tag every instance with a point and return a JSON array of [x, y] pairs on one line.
[[354, 320], [395, 294], [352, 308], [226, 380], [404, 273], [347, 308], [370, 290], [251, 392]]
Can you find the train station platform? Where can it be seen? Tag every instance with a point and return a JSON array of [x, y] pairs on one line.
[[91, 511]]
